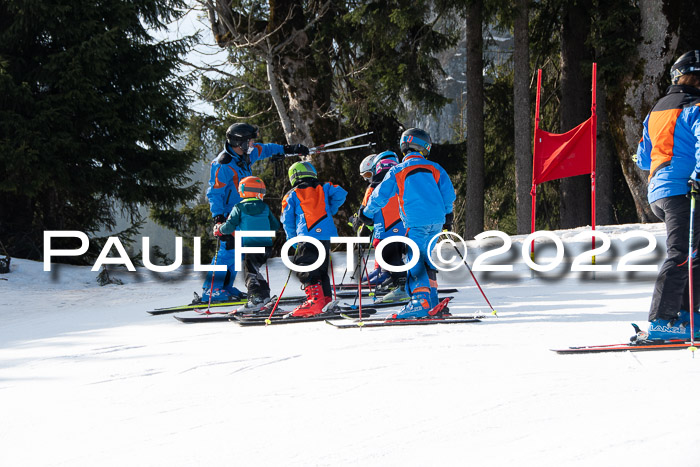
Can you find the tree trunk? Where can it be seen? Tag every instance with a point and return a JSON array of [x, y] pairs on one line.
[[575, 192], [474, 211], [522, 116], [291, 68], [642, 89]]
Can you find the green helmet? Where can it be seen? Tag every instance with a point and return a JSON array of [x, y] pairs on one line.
[[301, 170]]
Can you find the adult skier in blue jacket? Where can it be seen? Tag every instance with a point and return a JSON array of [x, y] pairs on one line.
[[670, 150], [231, 166], [426, 196]]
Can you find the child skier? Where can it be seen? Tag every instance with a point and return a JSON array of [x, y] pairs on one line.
[[252, 214], [387, 223], [368, 171], [308, 209], [425, 195], [227, 170]]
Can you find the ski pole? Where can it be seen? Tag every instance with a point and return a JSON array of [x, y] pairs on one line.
[[693, 195], [279, 297], [335, 295], [493, 311], [345, 148], [359, 284], [359, 262], [324, 151], [211, 286], [267, 273], [333, 143]]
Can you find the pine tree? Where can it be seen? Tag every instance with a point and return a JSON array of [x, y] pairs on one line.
[[90, 105]]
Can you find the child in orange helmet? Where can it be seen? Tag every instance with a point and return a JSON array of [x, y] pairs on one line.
[[252, 214]]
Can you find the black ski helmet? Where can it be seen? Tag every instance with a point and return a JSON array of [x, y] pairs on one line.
[[415, 139], [238, 135], [689, 62]]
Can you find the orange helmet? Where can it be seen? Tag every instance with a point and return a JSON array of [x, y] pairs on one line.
[[251, 187]]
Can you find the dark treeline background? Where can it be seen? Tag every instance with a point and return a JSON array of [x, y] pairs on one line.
[[91, 104]]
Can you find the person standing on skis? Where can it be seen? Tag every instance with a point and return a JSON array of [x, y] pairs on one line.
[[308, 210], [670, 150], [231, 166], [387, 223], [252, 214], [426, 197]]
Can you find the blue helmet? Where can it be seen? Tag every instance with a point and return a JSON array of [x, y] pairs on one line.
[[415, 139], [384, 165], [385, 155]]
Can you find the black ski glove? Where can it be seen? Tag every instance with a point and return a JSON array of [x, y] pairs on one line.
[[363, 218], [694, 186], [296, 149], [219, 219], [449, 221]]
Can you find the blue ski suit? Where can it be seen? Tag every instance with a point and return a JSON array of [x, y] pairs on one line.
[[225, 173], [426, 195], [308, 209]]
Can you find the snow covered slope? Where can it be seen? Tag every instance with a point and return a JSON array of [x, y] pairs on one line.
[[87, 378]]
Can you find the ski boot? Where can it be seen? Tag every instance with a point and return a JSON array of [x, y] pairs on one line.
[[256, 303], [315, 301], [678, 328], [217, 295], [377, 276], [397, 292], [419, 306]]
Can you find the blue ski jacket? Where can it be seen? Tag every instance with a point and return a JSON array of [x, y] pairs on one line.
[[670, 144], [227, 170], [425, 191], [387, 221], [309, 207]]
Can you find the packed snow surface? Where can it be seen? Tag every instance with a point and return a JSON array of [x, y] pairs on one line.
[[88, 378]]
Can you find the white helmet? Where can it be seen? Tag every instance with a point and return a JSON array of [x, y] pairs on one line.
[[367, 166]]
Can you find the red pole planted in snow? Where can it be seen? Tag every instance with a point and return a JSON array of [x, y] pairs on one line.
[[533, 191], [335, 295], [594, 130]]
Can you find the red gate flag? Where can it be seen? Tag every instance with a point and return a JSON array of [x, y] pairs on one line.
[[562, 155]]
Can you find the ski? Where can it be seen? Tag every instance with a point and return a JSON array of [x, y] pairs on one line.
[[638, 346], [439, 314], [345, 287], [282, 318], [214, 316], [350, 294], [404, 322], [640, 342], [197, 306]]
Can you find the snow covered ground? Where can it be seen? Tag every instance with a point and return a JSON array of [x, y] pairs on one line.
[[87, 378]]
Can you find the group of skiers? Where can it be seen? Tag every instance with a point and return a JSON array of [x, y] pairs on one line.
[[411, 198], [414, 197]]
